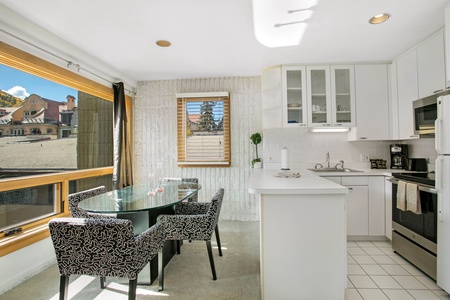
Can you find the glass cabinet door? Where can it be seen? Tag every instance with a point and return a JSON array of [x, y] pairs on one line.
[[342, 89], [319, 96], [294, 108]]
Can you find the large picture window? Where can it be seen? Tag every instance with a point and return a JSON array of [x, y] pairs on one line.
[[68, 134], [203, 121], [46, 128]]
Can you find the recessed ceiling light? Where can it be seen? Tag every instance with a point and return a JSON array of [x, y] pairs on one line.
[[380, 18], [163, 43]]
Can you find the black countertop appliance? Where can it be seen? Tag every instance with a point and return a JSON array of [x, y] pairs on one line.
[[399, 156]]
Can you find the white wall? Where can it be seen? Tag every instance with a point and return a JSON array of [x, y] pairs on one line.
[[22, 264], [155, 138]]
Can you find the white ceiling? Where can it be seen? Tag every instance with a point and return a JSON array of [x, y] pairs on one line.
[[215, 38]]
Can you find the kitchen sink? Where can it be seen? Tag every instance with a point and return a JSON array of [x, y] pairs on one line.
[[343, 170]]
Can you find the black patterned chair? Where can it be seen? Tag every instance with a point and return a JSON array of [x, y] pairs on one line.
[[193, 198], [196, 221], [104, 247], [76, 198]]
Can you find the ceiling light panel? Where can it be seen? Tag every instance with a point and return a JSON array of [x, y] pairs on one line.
[[281, 23]]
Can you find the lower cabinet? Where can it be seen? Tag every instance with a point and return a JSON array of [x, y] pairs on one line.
[[366, 212], [358, 210]]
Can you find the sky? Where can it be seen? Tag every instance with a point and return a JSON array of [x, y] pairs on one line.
[[21, 84]]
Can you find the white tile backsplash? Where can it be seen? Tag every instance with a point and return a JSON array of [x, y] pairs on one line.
[[307, 148]]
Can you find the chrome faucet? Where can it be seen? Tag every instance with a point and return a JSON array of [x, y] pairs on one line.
[[328, 159], [318, 166], [341, 164]]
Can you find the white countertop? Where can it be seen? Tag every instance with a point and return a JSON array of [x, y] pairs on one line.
[[263, 181]]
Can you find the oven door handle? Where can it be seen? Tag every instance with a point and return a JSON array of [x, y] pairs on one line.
[[421, 187]]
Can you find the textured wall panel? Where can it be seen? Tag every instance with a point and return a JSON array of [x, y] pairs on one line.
[[155, 136]]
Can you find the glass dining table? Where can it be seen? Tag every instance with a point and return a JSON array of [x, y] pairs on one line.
[[142, 204]]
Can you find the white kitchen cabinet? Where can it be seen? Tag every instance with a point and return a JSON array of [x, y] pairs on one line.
[[343, 96], [331, 96], [357, 205], [372, 95], [357, 210], [447, 44], [271, 98], [366, 204], [294, 96], [319, 96], [377, 206], [393, 102], [407, 92], [431, 66]]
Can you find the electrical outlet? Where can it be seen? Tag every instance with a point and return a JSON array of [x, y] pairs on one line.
[[364, 157]]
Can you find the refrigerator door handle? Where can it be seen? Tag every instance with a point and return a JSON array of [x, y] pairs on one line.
[[438, 130], [440, 201]]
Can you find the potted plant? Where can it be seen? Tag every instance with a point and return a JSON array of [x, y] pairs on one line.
[[256, 139]]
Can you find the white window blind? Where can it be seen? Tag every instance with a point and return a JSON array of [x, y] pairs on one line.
[[203, 122]]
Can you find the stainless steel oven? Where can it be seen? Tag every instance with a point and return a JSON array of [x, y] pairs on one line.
[[414, 236]]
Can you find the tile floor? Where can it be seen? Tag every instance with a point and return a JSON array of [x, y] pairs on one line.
[[375, 271]]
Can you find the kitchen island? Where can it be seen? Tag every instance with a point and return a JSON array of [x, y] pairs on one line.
[[303, 236]]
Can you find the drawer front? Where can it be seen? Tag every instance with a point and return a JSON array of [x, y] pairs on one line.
[[355, 180], [336, 179]]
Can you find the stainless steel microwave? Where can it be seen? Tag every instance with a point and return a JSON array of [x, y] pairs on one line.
[[425, 113]]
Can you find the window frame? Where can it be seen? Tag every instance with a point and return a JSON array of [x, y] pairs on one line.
[[23, 61], [182, 99]]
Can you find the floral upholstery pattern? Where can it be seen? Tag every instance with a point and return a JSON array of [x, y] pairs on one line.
[[195, 221], [76, 198], [103, 247]]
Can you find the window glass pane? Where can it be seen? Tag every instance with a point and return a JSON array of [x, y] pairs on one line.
[[25, 205], [205, 131], [47, 127]]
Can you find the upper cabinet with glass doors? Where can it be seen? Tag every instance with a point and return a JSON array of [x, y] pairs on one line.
[[331, 96], [343, 96], [294, 96], [319, 96]]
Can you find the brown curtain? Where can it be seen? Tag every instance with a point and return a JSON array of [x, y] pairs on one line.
[[122, 174]]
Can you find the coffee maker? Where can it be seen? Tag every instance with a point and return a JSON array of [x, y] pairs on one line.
[[399, 156]]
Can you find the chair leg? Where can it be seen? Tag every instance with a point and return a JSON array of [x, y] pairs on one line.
[[178, 247], [132, 286], [102, 282], [63, 287], [211, 259], [161, 270], [218, 239]]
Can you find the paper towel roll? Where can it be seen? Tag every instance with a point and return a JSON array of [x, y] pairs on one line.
[[284, 159]]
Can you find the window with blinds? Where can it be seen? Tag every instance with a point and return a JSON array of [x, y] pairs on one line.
[[203, 121]]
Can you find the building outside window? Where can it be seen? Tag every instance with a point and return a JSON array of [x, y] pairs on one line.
[[44, 132]]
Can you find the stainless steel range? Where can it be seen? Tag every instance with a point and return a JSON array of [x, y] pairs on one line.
[[414, 236]]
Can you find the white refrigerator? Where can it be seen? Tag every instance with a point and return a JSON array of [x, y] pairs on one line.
[[442, 169]]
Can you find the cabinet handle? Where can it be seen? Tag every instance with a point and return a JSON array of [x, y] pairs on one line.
[[413, 136], [438, 91], [350, 189], [363, 138]]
